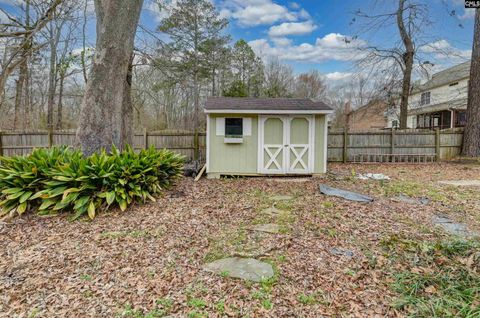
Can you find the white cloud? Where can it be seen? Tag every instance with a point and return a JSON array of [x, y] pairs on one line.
[[260, 12], [442, 49], [282, 41], [292, 28], [338, 76], [294, 5], [468, 14], [333, 46]]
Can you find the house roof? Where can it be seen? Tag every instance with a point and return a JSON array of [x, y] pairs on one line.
[[265, 105], [446, 76]]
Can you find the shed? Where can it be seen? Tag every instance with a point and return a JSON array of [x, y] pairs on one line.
[[266, 136]]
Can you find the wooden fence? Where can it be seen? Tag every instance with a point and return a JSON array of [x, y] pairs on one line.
[[346, 146], [21, 143], [343, 146]]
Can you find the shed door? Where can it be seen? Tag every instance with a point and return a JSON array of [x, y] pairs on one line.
[[286, 144]]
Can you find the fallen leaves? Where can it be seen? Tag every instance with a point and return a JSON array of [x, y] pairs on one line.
[[154, 253]]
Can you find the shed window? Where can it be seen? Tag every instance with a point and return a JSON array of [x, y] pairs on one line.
[[425, 99], [233, 126]]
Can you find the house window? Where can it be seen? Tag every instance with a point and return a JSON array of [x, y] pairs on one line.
[[394, 123], [234, 127], [425, 99], [460, 119], [420, 121]]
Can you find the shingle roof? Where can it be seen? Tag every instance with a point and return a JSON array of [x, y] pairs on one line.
[[446, 76], [273, 104]]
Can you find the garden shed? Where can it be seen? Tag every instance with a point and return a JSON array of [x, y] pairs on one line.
[[266, 136]]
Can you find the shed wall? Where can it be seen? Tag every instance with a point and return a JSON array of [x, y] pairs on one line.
[[243, 158], [232, 158]]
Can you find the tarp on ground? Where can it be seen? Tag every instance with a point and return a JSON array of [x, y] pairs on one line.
[[348, 195]]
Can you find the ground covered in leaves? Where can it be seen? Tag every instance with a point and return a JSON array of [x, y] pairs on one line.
[[331, 257]]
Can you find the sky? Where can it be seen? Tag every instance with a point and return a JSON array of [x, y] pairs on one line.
[[312, 34]]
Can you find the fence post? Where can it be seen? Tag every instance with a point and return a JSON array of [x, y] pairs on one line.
[[145, 138], [50, 138], [195, 145], [392, 141], [345, 145], [1, 144], [437, 144]]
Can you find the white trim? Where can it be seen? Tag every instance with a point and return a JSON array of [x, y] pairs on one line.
[[207, 150], [265, 112]]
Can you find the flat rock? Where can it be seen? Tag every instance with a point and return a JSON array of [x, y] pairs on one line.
[[341, 252], [373, 176], [462, 183], [267, 228], [244, 268], [272, 211], [451, 227], [406, 199], [348, 195], [281, 198]]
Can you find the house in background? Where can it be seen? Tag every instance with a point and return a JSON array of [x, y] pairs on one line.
[[266, 136], [441, 102], [370, 116]]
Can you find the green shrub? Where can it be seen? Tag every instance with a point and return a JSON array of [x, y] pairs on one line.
[[61, 179]]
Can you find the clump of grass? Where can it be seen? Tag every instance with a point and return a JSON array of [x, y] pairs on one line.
[[411, 189], [443, 281]]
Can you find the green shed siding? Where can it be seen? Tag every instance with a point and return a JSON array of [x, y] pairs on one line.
[[242, 158], [232, 158]]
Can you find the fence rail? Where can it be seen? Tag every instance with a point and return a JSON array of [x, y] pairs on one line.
[[343, 146]]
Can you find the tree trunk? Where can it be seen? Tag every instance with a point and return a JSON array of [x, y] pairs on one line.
[[52, 83], [19, 94], [127, 106], [58, 124], [471, 137], [101, 123], [408, 65]]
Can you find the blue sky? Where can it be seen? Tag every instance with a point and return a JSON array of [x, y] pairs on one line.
[[310, 34]]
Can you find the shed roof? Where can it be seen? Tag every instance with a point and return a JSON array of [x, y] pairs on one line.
[[264, 105]]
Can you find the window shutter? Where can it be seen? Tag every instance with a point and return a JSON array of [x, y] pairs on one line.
[[247, 126], [220, 126]]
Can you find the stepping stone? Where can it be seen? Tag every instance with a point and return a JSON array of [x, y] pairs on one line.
[[409, 200], [462, 183], [281, 198], [267, 228], [244, 268], [452, 227], [348, 195], [272, 211], [341, 252]]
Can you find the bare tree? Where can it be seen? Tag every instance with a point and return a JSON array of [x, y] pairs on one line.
[[310, 85], [411, 18], [106, 108], [279, 79], [471, 138]]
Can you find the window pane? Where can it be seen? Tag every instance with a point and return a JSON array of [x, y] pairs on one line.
[[233, 126]]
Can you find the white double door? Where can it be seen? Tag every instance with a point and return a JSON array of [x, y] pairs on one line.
[[286, 144]]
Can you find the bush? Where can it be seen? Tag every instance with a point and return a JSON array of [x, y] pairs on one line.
[[62, 179]]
